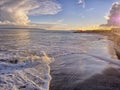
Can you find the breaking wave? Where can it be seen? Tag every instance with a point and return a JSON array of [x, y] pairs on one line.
[[24, 70]]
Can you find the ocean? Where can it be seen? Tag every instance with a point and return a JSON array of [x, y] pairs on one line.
[[51, 60]]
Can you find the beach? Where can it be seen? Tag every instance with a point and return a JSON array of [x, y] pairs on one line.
[[93, 65], [41, 60]]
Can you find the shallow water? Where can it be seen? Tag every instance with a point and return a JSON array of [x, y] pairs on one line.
[[91, 64], [79, 59]]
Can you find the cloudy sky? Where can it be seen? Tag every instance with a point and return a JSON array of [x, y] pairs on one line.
[[56, 14]]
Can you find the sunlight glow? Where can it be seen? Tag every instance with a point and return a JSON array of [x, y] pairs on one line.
[[97, 27]]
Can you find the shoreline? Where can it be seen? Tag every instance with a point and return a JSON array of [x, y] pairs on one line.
[[72, 81]]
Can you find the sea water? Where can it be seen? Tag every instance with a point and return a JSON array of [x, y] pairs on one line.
[[30, 59]]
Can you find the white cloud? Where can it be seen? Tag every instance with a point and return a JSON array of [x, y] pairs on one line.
[[113, 18], [46, 7], [17, 11], [82, 2]]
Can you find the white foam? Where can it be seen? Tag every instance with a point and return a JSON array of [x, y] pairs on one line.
[[33, 73]]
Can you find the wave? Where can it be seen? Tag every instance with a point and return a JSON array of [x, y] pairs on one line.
[[32, 73]]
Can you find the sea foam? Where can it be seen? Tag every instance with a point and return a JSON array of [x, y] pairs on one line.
[[32, 73]]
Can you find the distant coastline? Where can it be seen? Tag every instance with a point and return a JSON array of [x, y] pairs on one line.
[[112, 30], [92, 31]]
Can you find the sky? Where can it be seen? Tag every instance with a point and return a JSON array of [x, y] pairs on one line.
[[56, 14]]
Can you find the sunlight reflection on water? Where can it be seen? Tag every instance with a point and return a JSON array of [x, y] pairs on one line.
[[75, 54]]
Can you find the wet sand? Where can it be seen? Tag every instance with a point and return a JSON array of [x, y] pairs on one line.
[[80, 71]]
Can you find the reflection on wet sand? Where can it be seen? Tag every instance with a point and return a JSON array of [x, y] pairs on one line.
[[89, 77], [95, 70], [108, 80]]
